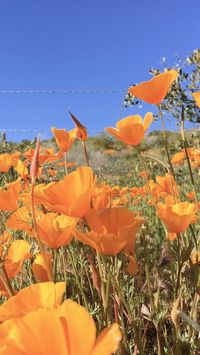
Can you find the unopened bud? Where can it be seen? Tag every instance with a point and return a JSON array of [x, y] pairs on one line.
[[34, 163]]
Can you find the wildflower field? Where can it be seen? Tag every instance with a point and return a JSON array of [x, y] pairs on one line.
[[96, 261]]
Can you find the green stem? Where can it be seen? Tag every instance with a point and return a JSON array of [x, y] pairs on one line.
[[146, 178], [77, 278], [163, 163], [167, 150], [65, 161], [4, 278], [49, 272], [55, 268], [85, 153], [102, 282], [187, 156]]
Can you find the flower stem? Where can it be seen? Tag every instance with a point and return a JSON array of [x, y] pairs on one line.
[[187, 156], [85, 153], [49, 272], [4, 278], [102, 283], [146, 174], [77, 278], [65, 160], [167, 151]]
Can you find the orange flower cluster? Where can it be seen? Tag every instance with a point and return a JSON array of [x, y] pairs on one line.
[[164, 187], [42, 214], [193, 154]]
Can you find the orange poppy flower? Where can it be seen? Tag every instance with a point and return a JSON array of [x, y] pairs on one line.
[[167, 184], [154, 90], [71, 196], [9, 195], [65, 330], [111, 230], [52, 172], [171, 235], [21, 219], [144, 174], [196, 96], [131, 129], [194, 154], [63, 139], [178, 158], [80, 131], [177, 217], [8, 160], [69, 165], [55, 230], [5, 237], [195, 257], [45, 156], [101, 196], [40, 295], [21, 168], [190, 195], [18, 252], [39, 267]]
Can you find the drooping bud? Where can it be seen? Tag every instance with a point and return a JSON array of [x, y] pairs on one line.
[[81, 131]]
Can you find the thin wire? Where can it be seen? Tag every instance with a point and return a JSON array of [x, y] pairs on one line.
[[16, 130], [64, 91]]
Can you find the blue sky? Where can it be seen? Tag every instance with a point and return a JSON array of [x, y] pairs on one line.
[[81, 44]]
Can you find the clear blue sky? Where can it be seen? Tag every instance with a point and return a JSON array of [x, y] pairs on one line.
[[81, 44]]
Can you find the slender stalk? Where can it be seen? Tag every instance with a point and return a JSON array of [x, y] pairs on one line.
[[148, 276], [159, 343], [152, 157], [4, 278], [103, 295], [56, 255], [85, 153], [77, 278], [146, 174], [49, 272], [195, 300], [65, 161], [63, 262], [126, 306], [166, 142], [167, 151], [107, 299], [187, 155]]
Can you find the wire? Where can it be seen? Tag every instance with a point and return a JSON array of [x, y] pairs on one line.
[[64, 91], [16, 130]]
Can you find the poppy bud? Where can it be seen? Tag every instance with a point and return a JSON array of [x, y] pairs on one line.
[[34, 162]]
